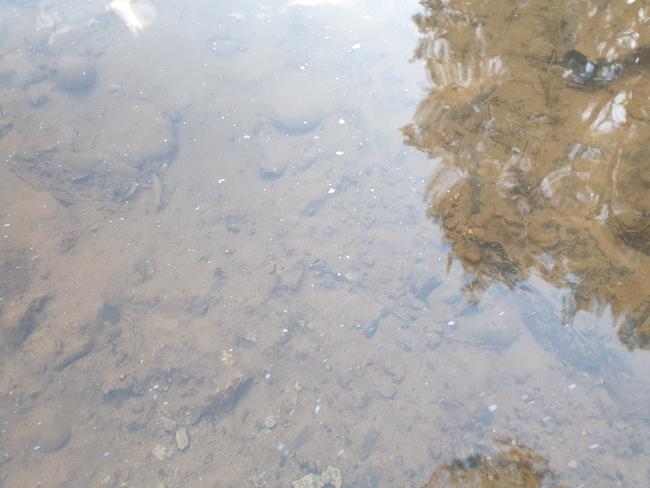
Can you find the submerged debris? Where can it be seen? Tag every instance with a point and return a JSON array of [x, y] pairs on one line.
[[159, 452], [372, 328], [517, 467], [224, 400], [596, 73], [584, 72]]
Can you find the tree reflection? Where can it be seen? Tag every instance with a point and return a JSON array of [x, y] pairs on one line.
[[536, 175], [516, 467]]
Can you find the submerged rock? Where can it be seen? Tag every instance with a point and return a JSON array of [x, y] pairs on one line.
[[270, 422], [330, 478], [581, 71], [159, 452], [16, 334], [518, 466], [168, 424], [224, 400], [182, 439], [309, 481]]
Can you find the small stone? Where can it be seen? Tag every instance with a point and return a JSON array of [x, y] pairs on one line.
[[309, 481], [38, 95], [168, 424], [182, 440], [106, 481], [572, 464], [159, 452], [351, 277], [270, 422], [270, 171], [385, 387], [227, 359], [332, 477]]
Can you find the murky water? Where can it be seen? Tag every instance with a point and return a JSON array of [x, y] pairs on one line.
[[324, 243]]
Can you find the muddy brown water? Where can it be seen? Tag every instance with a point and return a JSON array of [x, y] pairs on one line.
[[323, 243]]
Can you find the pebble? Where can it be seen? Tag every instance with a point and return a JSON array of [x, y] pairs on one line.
[[270, 422], [168, 424], [159, 452], [572, 464], [330, 478], [309, 481], [182, 439], [38, 95], [106, 481]]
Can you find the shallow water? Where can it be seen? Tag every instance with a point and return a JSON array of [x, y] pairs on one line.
[[323, 243]]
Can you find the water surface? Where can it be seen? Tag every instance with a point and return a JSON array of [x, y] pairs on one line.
[[323, 243]]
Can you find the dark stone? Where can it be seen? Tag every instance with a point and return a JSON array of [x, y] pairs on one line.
[[29, 321], [224, 401], [272, 172], [423, 291], [5, 129], [73, 356], [373, 327], [584, 72], [109, 313], [117, 396], [368, 444]]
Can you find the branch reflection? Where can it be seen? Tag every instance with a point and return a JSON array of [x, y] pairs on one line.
[[539, 121]]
